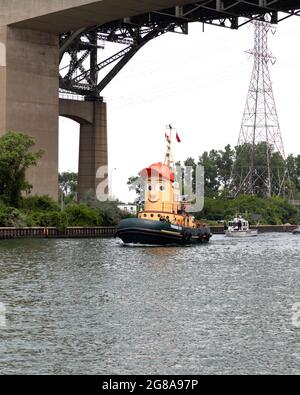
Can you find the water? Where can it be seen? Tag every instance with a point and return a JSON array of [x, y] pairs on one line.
[[95, 307]]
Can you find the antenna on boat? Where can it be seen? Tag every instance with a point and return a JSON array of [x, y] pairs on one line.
[[169, 155]]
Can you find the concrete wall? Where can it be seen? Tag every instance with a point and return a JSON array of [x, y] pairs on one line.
[[29, 98]]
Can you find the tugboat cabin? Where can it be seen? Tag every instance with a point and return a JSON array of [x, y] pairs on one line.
[[162, 197]]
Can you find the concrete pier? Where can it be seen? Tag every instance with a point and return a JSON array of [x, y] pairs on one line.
[[92, 117], [29, 98]]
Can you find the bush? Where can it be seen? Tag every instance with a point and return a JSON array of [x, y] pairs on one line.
[[11, 217], [51, 219], [82, 215], [40, 203], [110, 213]]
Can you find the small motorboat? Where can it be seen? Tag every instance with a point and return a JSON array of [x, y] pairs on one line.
[[296, 231], [240, 227]]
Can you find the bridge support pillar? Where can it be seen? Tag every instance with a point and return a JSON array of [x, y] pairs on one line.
[[92, 150], [93, 153], [29, 97]]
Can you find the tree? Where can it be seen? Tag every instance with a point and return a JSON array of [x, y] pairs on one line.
[[225, 163], [251, 171], [68, 183], [16, 156], [135, 183], [293, 165], [209, 162], [190, 162]]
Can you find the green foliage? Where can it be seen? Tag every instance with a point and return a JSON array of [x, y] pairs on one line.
[[68, 183], [16, 156], [260, 155], [209, 160], [293, 164], [273, 211], [136, 184], [48, 219], [11, 217], [109, 212], [40, 203], [82, 215]]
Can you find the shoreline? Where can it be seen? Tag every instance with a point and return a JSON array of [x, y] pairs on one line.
[[107, 232]]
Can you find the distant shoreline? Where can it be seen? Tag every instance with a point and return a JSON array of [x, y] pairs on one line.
[[107, 232]]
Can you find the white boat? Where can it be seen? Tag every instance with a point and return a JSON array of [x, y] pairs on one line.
[[239, 227], [296, 231]]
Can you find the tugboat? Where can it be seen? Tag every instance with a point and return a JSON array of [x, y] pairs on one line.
[[239, 227], [164, 219]]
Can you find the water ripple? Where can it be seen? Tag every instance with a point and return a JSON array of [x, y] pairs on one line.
[[96, 307]]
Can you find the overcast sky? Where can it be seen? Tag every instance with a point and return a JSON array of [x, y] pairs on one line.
[[198, 83]]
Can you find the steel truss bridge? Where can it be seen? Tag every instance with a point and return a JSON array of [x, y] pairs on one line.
[[82, 47]]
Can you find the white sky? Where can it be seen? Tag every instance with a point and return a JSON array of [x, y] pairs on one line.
[[198, 83]]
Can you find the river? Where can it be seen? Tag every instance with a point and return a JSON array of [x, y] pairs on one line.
[[97, 307]]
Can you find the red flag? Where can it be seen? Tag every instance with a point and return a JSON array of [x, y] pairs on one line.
[[178, 138]]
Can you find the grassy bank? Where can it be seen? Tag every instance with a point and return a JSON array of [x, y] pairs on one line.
[[44, 212]]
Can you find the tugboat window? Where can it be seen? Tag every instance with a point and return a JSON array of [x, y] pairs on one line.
[[151, 215], [145, 215], [149, 188], [162, 188]]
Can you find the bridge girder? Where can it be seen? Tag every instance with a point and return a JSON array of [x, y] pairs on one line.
[[135, 32]]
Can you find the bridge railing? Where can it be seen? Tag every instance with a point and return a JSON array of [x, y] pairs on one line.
[[76, 97], [70, 96]]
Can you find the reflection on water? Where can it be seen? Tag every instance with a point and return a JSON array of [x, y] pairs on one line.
[[94, 306]]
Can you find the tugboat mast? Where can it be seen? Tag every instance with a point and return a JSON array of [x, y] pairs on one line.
[[169, 160]]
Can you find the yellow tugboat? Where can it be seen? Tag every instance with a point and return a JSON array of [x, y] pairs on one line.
[[164, 220]]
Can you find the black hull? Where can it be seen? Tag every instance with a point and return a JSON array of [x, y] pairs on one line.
[[146, 232]]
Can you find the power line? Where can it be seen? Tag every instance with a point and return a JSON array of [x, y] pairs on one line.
[[173, 89]]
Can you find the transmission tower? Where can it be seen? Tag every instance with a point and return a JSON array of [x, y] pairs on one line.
[[260, 163]]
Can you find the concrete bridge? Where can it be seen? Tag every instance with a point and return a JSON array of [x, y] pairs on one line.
[[29, 64]]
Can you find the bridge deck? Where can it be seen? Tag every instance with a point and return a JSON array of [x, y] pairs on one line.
[[65, 15], [58, 16]]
